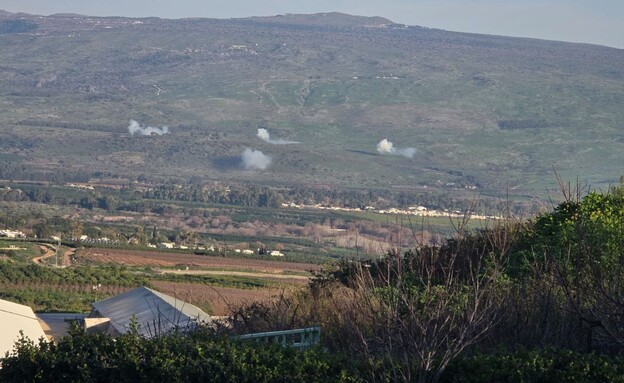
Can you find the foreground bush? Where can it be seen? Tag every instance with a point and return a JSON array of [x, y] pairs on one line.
[[556, 281], [548, 365], [172, 358]]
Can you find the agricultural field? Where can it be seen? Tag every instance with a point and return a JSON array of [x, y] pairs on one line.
[[163, 259], [33, 275], [216, 284], [191, 264]]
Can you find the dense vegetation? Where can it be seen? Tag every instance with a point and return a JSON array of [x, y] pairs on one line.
[[150, 197], [171, 358], [521, 302], [82, 357], [556, 281]]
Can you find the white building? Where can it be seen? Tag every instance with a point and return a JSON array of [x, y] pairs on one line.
[[12, 234], [166, 245], [13, 319]]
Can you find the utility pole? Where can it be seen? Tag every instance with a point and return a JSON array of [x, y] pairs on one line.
[[58, 246]]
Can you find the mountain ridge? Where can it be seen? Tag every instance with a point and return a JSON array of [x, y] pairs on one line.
[[480, 111], [321, 19]]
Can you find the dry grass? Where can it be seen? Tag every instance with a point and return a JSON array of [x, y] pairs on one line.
[[216, 300]]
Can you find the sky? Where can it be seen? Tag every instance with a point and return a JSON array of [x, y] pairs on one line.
[[596, 22]]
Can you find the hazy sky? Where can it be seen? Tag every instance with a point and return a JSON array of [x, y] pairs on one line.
[[598, 21]]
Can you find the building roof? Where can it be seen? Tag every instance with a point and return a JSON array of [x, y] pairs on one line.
[[13, 319], [57, 325], [155, 312]]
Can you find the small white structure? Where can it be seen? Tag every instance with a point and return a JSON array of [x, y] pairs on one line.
[[276, 253], [248, 252], [166, 245], [15, 318], [12, 234]]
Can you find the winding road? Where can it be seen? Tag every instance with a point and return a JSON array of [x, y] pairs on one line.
[[48, 252]]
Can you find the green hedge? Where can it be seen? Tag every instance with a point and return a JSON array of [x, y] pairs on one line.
[[529, 366], [172, 358]]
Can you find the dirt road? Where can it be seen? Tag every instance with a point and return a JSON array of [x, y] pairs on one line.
[[46, 253], [286, 277]]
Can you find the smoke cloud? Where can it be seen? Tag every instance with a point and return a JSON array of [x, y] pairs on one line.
[[266, 137], [255, 159], [386, 147], [136, 128]]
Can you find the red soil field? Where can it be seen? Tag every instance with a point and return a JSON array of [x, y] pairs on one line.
[[163, 259]]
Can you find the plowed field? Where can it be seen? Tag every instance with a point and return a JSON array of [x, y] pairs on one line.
[[163, 259]]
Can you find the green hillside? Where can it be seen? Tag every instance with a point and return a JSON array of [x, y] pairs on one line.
[[485, 111]]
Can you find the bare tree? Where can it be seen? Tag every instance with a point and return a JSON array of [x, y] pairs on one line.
[[426, 310]]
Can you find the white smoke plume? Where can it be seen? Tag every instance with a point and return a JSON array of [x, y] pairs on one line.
[[255, 159], [136, 128], [266, 137], [386, 147]]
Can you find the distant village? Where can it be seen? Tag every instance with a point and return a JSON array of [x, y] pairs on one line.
[[7, 233], [411, 210], [14, 234]]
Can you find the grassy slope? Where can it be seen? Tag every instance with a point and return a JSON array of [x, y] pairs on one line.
[[337, 90]]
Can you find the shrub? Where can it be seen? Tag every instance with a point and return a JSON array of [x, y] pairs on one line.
[[200, 356], [527, 366]]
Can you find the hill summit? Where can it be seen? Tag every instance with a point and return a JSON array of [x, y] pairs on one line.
[[335, 19]]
